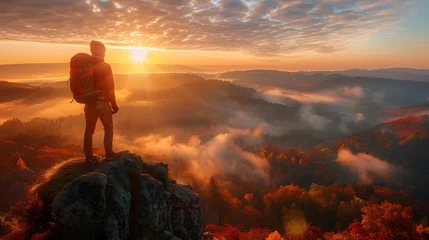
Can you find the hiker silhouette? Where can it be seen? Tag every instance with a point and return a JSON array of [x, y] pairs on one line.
[[92, 84]]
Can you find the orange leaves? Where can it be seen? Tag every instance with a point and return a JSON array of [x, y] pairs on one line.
[[213, 228], [358, 231], [231, 232], [325, 194], [39, 152], [400, 132], [21, 164], [17, 154], [313, 233], [424, 135], [274, 155], [389, 144], [248, 197], [355, 139], [408, 126], [233, 201], [379, 221], [422, 230], [289, 193], [255, 234], [389, 219], [252, 213], [383, 138], [9, 143], [407, 139], [275, 236]]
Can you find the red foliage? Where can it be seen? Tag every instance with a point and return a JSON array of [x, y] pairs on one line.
[[255, 234], [213, 228], [408, 126], [383, 138], [233, 201], [286, 194], [230, 232], [41, 236], [313, 233], [387, 219], [18, 209], [18, 234], [21, 164], [252, 213], [358, 231], [424, 135]]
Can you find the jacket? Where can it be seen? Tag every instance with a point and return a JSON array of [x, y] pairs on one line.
[[103, 81]]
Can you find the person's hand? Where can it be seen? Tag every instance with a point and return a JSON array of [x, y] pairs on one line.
[[115, 108]]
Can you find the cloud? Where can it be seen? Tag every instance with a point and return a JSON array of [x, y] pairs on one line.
[[256, 26], [330, 96], [366, 166], [360, 117], [276, 96], [247, 120], [353, 91], [283, 94], [315, 121], [49, 109], [221, 155]]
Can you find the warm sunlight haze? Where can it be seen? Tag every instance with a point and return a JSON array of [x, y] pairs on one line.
[[138, 55]]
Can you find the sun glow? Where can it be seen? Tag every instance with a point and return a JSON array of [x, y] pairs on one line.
[[138, 55]]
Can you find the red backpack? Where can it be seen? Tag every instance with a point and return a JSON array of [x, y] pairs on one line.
[[82, 78]]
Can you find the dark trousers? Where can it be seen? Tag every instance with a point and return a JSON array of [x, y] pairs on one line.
[[94, 111]]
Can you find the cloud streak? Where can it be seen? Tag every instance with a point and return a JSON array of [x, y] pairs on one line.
[[366, 166], [255, 26], [221, 155]]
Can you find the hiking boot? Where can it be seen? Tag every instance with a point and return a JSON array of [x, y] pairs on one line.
[[92, 159]]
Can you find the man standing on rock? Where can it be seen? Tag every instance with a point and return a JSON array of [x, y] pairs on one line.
[[103, 107]]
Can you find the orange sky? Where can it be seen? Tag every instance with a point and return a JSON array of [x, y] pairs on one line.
[[357, 57], [231, 34]]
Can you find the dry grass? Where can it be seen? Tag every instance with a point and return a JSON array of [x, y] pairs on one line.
[[60, 175], [37, 220]]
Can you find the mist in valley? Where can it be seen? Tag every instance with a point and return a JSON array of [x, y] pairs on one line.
[[241, 143]]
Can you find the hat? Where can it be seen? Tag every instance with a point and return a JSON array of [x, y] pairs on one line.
[[97, 48]]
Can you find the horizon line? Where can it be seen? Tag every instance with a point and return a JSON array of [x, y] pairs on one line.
[[232, 66]]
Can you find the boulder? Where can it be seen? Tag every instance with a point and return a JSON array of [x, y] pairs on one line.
[[123, 198], [154, 204], [186, 213], [79, 209]]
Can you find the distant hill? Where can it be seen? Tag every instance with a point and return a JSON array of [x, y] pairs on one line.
[[392, 73], [394, 92], [61, 70], [12, 91], [273, 78], [38, 91]]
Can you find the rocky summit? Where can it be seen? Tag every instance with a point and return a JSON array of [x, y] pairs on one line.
[[122, 198]]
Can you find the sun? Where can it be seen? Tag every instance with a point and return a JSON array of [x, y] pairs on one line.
[[138, 55]]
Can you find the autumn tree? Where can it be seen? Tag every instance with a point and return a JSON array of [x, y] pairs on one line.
[[387, 219]]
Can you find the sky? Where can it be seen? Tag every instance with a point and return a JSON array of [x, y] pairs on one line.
[[270, 34]]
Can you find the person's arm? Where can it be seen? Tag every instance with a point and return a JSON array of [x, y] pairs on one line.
[[111, 89]]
